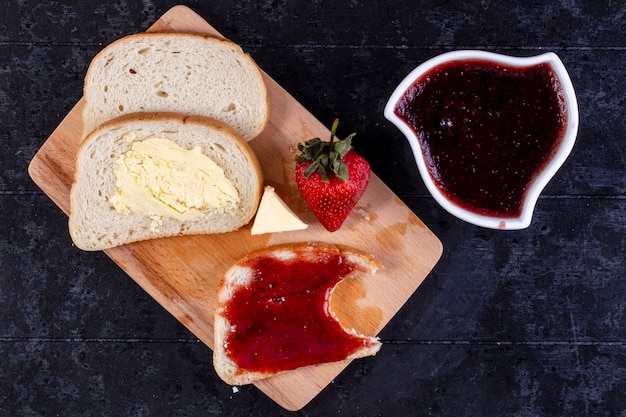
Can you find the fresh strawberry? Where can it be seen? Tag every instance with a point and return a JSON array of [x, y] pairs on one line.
[[332, 177]]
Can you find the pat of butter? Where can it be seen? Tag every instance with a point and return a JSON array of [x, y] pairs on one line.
[[274, 216], [158, 178]]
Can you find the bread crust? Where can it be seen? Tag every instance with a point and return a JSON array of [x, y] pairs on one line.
[[237, 277], [79, 225]]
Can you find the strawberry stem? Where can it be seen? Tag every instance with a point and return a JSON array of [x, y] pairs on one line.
[[333, 131]]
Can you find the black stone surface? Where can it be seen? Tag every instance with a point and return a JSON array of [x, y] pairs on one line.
[[524, 323]]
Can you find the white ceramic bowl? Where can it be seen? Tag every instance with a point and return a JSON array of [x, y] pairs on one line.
[[540, 181]]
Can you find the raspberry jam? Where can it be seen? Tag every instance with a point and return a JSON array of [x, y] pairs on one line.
[[281, 321], [486, 130]]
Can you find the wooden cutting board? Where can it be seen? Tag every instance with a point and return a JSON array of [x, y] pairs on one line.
[[183, 273]]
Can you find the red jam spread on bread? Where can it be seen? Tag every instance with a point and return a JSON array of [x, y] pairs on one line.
[[486, 130], [282, 319]]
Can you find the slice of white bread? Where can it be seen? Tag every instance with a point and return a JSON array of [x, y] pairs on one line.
[[186, 73], [241, 275], [95, 224]]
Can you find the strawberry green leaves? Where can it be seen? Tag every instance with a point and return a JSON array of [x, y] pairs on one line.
[[326, 156]]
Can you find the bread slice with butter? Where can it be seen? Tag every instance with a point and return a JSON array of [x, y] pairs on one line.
[[188, 73], [151, 175]]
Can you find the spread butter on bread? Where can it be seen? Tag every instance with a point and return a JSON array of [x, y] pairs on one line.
[[150, 175], [274, 311], [193, 74]]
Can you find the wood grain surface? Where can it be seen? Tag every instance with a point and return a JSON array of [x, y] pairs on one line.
[[183, 273]]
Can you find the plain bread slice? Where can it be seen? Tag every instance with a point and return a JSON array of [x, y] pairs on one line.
[[187, 73]]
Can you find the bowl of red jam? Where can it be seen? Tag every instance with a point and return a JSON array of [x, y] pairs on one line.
[[488, 131]]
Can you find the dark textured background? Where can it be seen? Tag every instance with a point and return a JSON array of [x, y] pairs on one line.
[[520, 323]]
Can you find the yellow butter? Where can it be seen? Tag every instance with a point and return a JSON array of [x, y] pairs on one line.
[[274, 216], [158, 178]]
